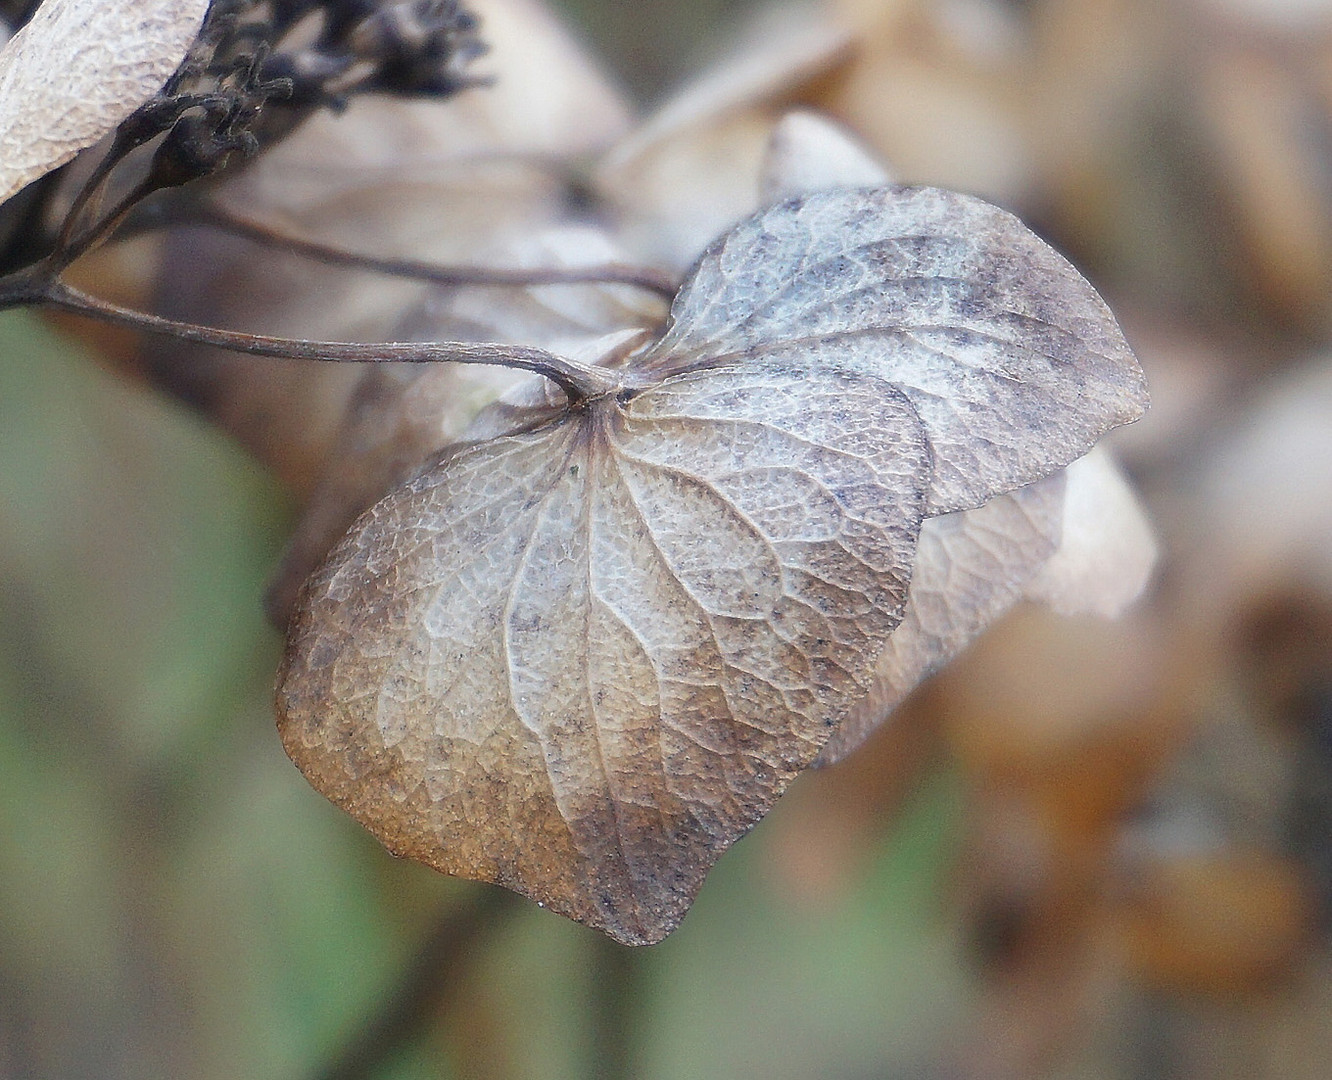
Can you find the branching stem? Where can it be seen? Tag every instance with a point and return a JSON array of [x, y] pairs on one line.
[[579, 381], [639, 277], [69, 249]]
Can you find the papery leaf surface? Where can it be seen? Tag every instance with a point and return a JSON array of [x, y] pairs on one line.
[[1076, 541], [1008, 355], [582, 660], [584, 656], [971, 566], [77, 69]]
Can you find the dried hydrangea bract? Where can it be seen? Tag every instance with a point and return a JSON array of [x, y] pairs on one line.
[[79, 68], [582, 658]]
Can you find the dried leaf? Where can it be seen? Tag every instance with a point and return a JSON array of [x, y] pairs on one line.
[[1106, 548], [808, 152], [997, 341], [581, 661], [582, 658], [79, 68], [1090, 552], [970, 568]]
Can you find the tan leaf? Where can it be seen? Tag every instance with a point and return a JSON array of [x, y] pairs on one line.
[[938, 89], [582, 661], [79, 68], [582, 658], [688, 172]]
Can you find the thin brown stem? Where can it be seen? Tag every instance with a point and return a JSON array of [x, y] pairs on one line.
[[579, 381], [639, 277], [429, 984], [69, 250], [89, 195], [87, 202]]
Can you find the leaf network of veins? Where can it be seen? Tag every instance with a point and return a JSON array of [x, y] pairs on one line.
[[671, 364], [555, 473]]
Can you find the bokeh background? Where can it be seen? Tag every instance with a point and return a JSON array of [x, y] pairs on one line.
[[1086, 850]]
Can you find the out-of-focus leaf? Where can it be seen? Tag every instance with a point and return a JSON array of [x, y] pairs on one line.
[[808, 152], [583, 658], [1220, 924], [1106, 547], [970, 569], [1262, 502], [938, 90], [1291, 16], [79, 68], [688, 171], [1254, 109], [782, 49]]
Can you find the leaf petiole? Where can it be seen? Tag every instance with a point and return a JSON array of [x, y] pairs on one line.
[[580, 382]]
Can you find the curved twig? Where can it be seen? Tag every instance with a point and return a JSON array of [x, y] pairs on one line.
[[579, 381], [647, 278]]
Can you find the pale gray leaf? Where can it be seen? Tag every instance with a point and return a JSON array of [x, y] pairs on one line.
[[1106, 548], [1009, 357], [581, 658]]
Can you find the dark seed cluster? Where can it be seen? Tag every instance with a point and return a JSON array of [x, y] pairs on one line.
[[331, 50], [261, 66]]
